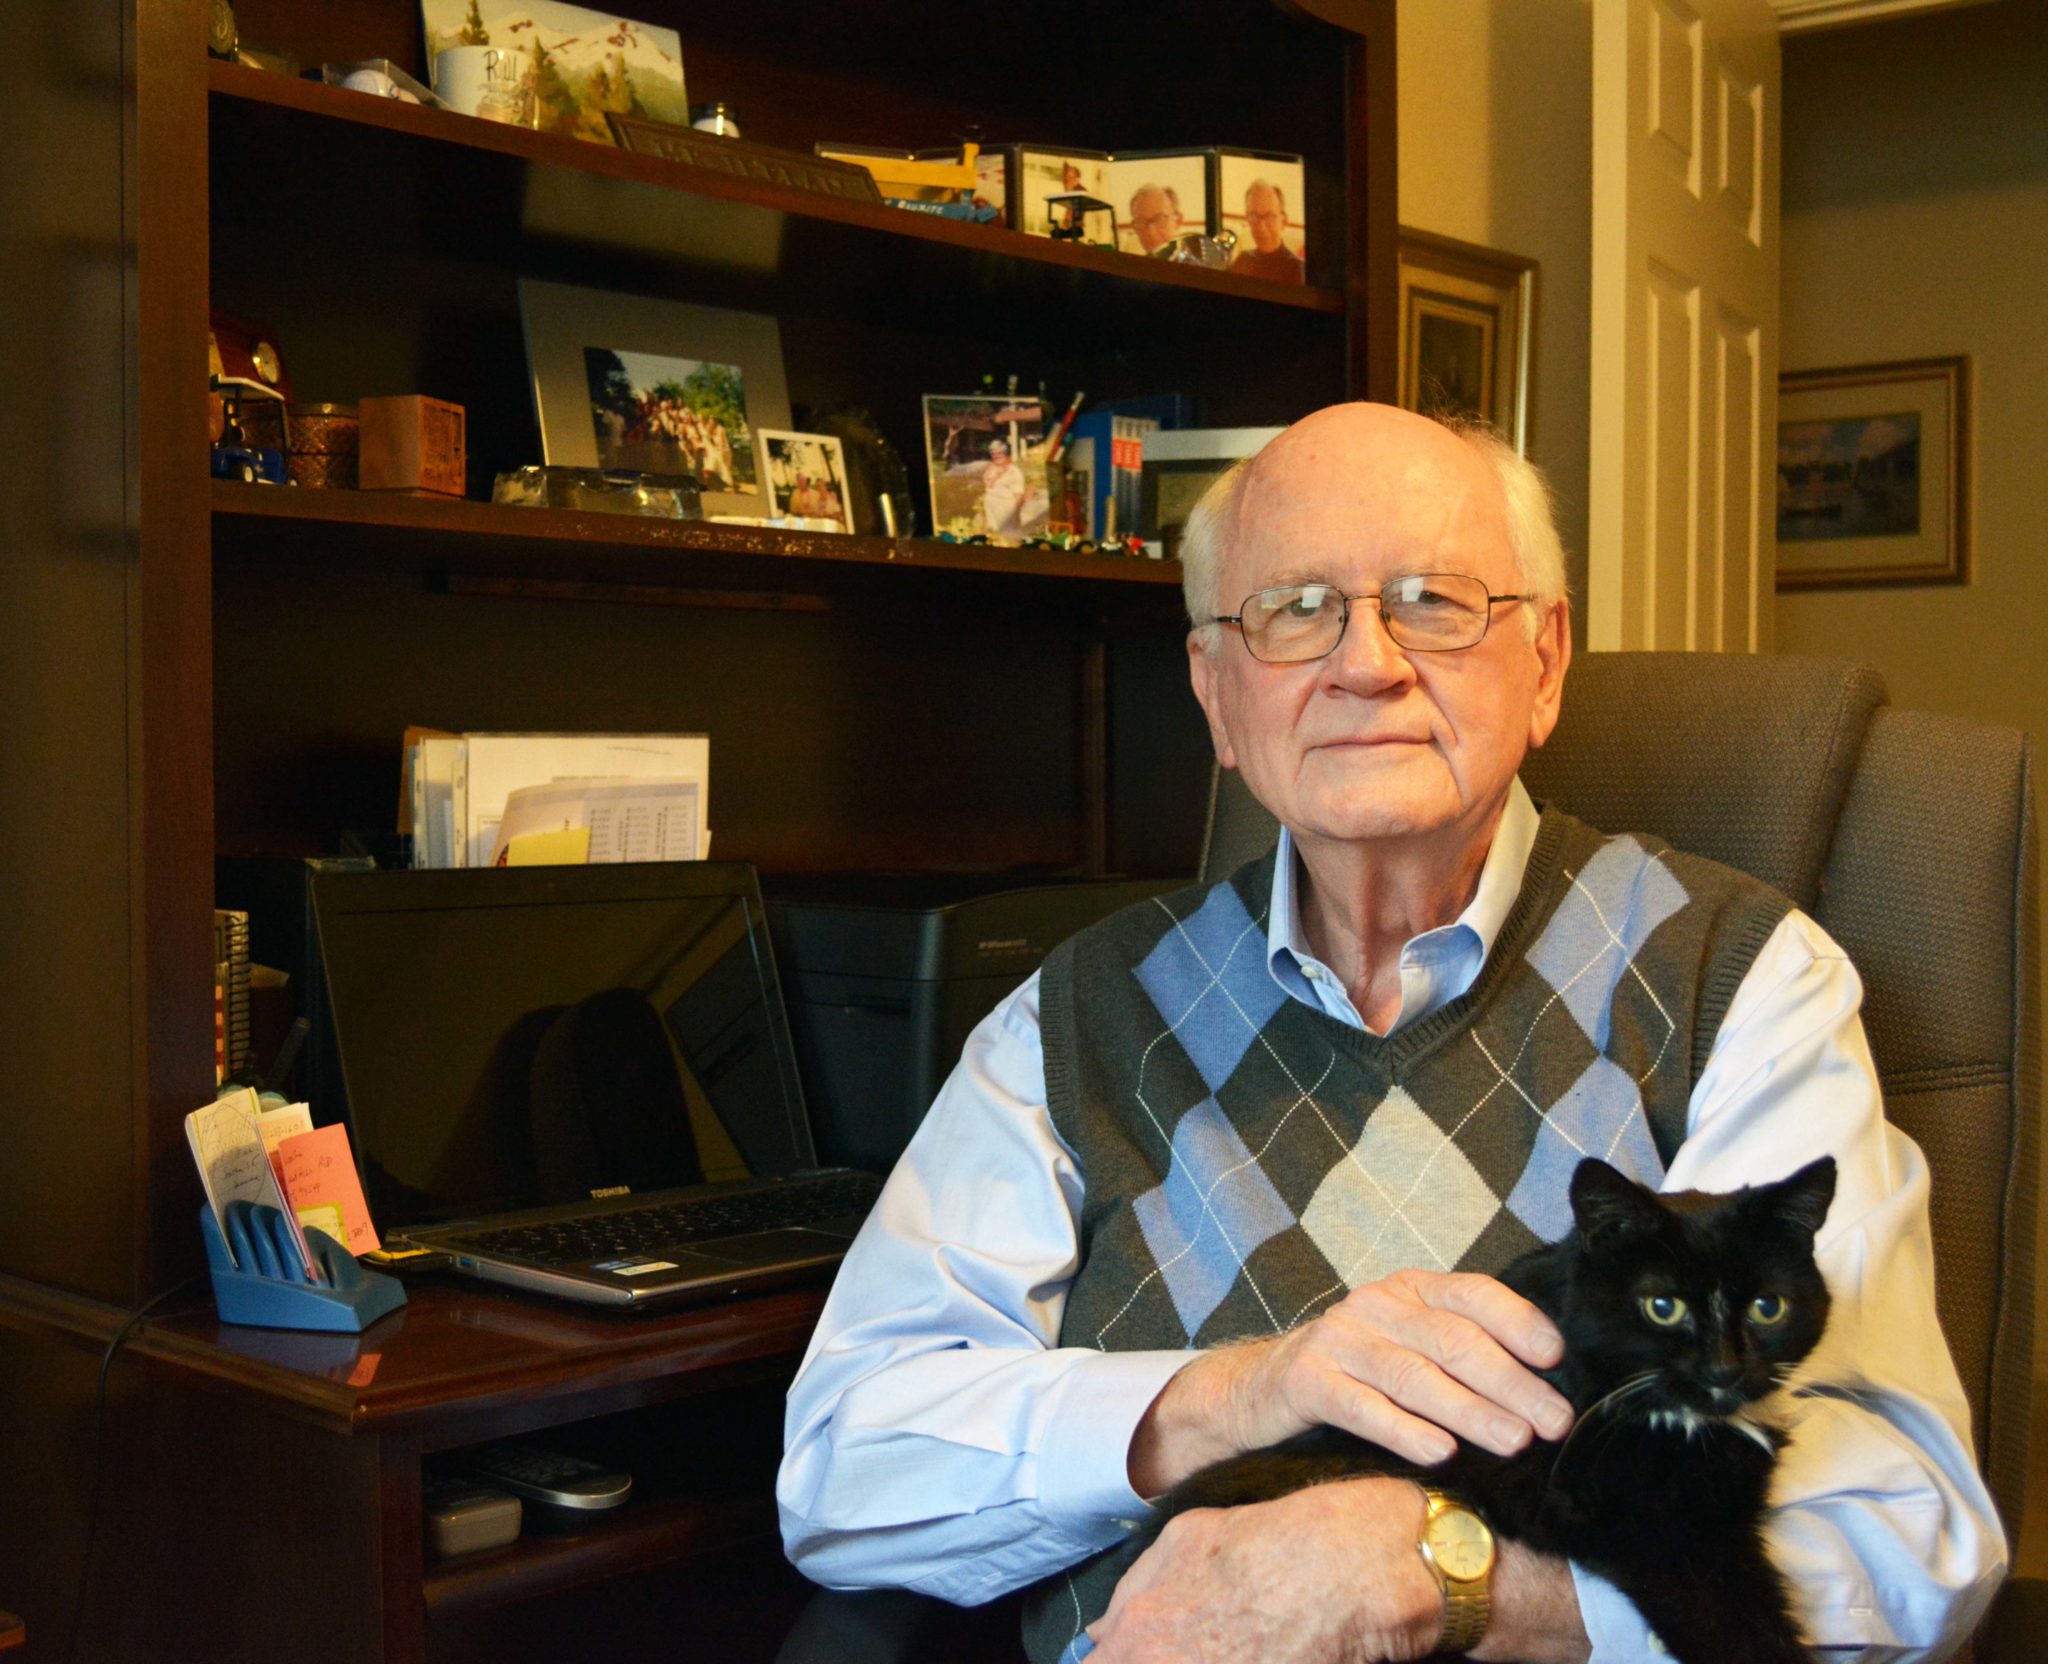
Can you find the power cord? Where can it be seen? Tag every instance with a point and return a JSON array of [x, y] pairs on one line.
[[99, 1449]]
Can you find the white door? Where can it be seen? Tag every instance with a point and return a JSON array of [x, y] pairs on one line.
[[1682, 486]]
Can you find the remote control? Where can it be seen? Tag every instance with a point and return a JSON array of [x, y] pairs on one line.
[[548, 1476]]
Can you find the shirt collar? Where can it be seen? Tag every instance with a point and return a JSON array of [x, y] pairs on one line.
[[1500, 882]]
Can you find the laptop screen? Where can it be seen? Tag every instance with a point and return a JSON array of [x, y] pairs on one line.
[[509, 1038]]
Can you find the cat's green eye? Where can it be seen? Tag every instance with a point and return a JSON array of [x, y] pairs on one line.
[[1667, 1311], [1769, 1309]]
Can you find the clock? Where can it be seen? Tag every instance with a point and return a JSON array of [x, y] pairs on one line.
[[250, 350]]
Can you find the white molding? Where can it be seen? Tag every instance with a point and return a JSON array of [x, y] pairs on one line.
[[1795, 16]]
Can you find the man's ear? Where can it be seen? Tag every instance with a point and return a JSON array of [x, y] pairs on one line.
[[1204, 673], [1553, 646]]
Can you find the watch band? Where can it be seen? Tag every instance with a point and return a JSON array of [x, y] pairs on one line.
[[1468, 1603]]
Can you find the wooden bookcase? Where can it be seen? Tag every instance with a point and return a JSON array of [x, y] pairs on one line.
[[199, 669]]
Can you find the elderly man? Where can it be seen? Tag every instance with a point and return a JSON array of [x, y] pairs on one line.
[[1265, 217], [1155, 216], [1245, 1161]]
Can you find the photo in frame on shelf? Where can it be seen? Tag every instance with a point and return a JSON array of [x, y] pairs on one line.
[[1874, 475], [656, 415], [1179, 465], [1467, 332], [624, 377], [986, 454], [1039, 173], [805, 478], [879, 501], [1158, 195], [1260, 197], [580, 65]]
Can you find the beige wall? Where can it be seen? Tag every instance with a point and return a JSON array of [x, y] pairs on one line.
[[1916, 225], [1496, 137]]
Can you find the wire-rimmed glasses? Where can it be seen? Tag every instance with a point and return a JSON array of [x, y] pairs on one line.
[[1428, 612]]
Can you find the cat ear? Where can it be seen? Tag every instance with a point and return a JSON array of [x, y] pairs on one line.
[[1608, 1206], [1801, 1200]]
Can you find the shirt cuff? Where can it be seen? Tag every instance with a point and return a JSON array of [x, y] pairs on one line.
[[1084, 1465], [1613, 1624]]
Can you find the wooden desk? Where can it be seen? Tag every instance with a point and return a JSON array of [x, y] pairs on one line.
[[266, 1484]]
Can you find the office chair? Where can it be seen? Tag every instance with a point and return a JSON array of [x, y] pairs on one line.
[[1910, 838]]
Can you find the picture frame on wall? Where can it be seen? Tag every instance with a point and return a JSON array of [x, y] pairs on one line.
[[655, 386], [1468, 316], [1873, 475]]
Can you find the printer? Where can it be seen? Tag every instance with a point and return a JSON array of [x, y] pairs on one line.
[[884, 976]]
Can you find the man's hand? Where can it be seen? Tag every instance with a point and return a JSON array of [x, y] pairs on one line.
[[1329, 1575], [1407, 1362]]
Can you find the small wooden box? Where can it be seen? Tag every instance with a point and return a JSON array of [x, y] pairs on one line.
[[412, 443]]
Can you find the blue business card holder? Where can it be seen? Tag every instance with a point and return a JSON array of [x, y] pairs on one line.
[[261, 1283]]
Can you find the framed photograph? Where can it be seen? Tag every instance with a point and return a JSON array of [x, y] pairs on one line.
[[657, 386], [1874, 474], [1037, 173], [1182, 463], [582, 64], [805, 478], [1157, 195], [987, 462], [1259, 197], [1468, 319]]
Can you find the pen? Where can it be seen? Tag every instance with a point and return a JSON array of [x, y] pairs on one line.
[[1059, 434]]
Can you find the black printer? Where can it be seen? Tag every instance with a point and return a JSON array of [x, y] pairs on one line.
[[886, 974]]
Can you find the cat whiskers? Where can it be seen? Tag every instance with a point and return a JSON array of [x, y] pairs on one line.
[[1633, 1385]]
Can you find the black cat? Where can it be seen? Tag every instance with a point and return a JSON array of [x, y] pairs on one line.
[[1678, 1312]]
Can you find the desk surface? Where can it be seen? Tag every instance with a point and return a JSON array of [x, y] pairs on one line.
[[464, 1349]]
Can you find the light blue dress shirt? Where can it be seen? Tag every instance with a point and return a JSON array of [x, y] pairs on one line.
[[940, 1438]]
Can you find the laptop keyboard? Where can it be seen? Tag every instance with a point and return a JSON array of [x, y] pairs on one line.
[[799, 1201]]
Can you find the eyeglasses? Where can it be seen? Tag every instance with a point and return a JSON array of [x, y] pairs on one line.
[[1432, 612]]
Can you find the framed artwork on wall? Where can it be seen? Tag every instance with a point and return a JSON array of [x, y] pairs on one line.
[[1467, 330], [1874, 474]]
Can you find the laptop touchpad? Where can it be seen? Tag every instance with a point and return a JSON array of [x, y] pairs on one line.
[[758, 1247]]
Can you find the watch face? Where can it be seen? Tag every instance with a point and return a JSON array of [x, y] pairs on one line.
[[1461, 1544], [264, 356]]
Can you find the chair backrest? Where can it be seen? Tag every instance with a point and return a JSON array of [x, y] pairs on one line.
[[1910, 837]]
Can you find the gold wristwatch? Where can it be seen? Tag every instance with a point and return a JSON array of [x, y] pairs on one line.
[[1457, 1547]]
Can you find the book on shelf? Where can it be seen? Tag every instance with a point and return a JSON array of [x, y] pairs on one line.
[[551, 799], [1119, 463], [230, 993]]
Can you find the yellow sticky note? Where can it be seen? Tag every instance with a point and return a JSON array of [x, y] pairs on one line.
[[324, 1218], [567, 848], [320, 1174]]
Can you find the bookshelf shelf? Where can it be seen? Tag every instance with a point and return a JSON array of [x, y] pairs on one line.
[[784, 248], [649, 1534], [473, 539]]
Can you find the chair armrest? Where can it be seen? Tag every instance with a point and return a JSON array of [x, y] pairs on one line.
[[2013, 1633]]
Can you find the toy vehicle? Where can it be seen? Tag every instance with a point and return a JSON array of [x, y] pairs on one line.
[[234, 458]]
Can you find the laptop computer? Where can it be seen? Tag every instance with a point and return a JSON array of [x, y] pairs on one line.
[[579, 1080]]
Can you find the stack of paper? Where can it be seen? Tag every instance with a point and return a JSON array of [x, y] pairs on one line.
[[579, 797], [277, 1158]]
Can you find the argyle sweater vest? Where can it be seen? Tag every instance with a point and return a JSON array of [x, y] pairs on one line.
[[1249, 1159]]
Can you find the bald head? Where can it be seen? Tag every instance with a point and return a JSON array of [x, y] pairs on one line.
[[1353, 465]]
